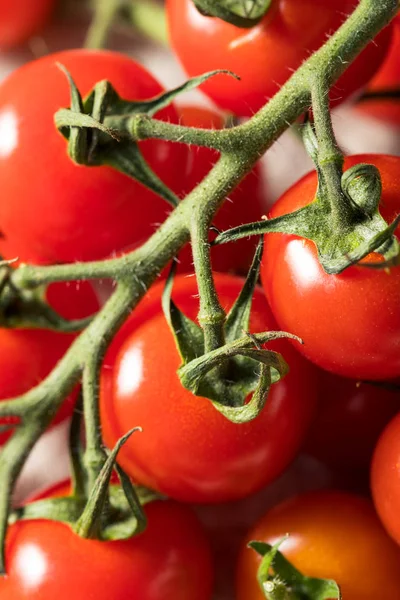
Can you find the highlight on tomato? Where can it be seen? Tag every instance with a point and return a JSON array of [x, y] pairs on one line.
[[187, 449], [170, 560], [266, 55], [350, 323], [332, 535], [28, 355], [86, 213]]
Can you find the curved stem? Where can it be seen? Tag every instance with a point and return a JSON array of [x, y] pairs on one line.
[[330, 158], [104, 14], [148, 17]]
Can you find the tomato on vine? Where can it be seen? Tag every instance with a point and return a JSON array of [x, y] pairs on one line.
[[20, 19], [58, 211], [169, 561], [266, 55], [28, 355], [188, 450], [385, 478], [332, 535], [350, 323], [349, 419]]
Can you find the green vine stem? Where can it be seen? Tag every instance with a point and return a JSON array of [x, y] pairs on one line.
[[148, 17], [135, 272], [104, 14]]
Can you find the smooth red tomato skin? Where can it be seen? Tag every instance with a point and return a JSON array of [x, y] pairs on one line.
[[28, 355], [387, 78], [266, 55], [169, 561], [20, 19], [187, 449], [246, 203], [385, 478], [349, 419], [53, 210], [350, 323], [333, 535]]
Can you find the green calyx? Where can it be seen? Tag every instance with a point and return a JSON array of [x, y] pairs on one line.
[[242, 13], [280, 580], [344, 222], [101, 129], [228, 374], [110, 512]]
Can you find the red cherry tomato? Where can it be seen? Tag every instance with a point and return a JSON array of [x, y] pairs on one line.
[[350, 323], [53, 210], [333, 535], [244, 204], [187, 449], [169, 561], [387, 78], [266, 55], [20, 19], [385, 478], [349, 419], [28, 355]]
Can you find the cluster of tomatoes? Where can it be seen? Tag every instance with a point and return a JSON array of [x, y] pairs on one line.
[[339, 402]]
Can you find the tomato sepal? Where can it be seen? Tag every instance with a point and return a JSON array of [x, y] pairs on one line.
[[280, 580], [242, 13], [226, 375]]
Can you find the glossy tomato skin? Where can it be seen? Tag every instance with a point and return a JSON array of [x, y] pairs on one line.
[[246, 203], [350, 323], [28, 355], [169, 561], [187, 449], [385, 478], [266, 55], [387, 78], [20, 19], [333, 535], [85, 212], [349, 419]]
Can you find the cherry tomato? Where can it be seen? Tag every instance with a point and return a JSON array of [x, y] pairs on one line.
[[266, 55], [53, 210], [187, 449], [385, 478], [20, 19], [28, 355], [333, 535], [350, 417], [244, 204], [387, 78], [169, 561], [350, 323]]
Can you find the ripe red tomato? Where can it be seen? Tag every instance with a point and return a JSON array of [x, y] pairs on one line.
[[266, 55], [85, 213], [20, 19], [350, 323], [385, 478], [169, 561], [187, 449], [387, 78], [28, 355], [333, 535], [245, 203], [349, 419]]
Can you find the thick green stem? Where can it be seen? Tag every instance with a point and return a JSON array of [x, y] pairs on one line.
[[211, 314]]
